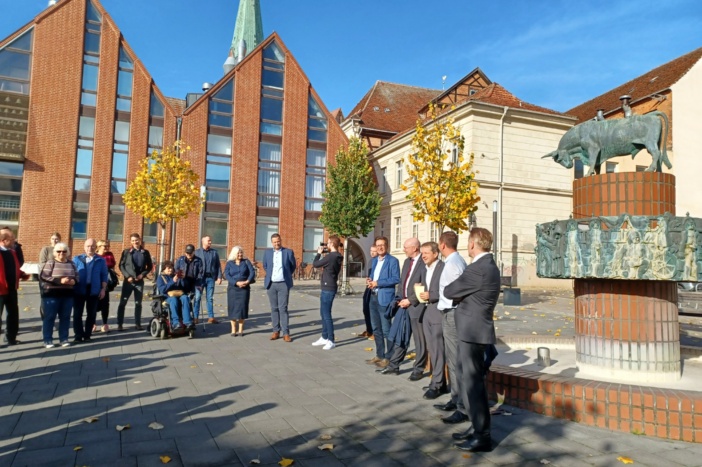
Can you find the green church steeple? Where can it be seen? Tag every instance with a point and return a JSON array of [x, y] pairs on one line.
[[248, 32]]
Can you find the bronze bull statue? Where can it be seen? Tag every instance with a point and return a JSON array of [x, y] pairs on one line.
[[594, 142]]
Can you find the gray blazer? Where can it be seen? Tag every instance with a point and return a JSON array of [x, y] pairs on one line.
[[433, 315], [415, 309], [476, 292]]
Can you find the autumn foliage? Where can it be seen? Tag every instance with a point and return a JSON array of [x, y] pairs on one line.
[[441, 182]]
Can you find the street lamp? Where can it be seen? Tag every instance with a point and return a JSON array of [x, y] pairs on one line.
[[494, 228]]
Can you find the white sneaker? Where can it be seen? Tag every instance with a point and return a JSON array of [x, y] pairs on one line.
[[65, 344], [320, 341], [329, 345], [49, 346]]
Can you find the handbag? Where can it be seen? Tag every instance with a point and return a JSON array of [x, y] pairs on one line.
[[112, 280], [175, 293]]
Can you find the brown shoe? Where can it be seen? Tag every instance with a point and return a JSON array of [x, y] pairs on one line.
[[275, 336], [212, 321], [287, 338], [364, 334], [196, 321], [371, 338], [373, 361], [383, 363]]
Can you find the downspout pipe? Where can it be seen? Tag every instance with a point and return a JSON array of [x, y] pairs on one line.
[[179, 124], [501, 169]]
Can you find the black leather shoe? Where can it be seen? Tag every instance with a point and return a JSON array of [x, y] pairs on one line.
[[473, 444], [390, 371], [416, 376], [464, 435], [431, 394], [450, 406], [454, 418]]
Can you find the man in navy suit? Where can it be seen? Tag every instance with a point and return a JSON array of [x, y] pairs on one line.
[[384, 276], [279, 264], [475, 292]]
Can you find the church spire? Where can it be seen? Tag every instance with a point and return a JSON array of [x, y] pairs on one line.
[[248, 32]]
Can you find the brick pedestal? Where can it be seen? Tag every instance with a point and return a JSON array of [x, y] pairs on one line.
[[626, 328]]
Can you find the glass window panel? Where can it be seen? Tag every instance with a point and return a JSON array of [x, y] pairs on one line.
[[119, 165], [150, 232], [269, 165], [271, 109], [92, 42], [118, 187], [217, 196], [222, 107], [86, 127], [313, 109], [85, 143], [312, 238], [314, 171], [9, 202], [92, 13], [23, 42], [314, 186], [220, 159], [79, 224], [263, 234], [274, 65], [12, 169], [155, 136], [90, 77], [14, 86], [91, 59], [14, 64], [269, 182], [271, 128], [121, 131], [219, 144], [115, 226], [268, 201], [125, 61], [218, 176], [221, 120], [316, 157], [270, 152], [124, 83], [272, 78], [156, 106], [317, 135], [120, 147], [89, 99], [313, 205], [125, 105], [226, 93], [84, 162], [314, 122], [11, 184], [272, 52], [216, 229], [82, 184], [272, 92]]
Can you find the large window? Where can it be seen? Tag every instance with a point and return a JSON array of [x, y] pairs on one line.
[[269, 160], [313, 236], [10, 190], [124, 82], [218, 169], [91, 56], [15, 64], [265, 227], [382, 184], [316, 122], [398, 233], [272, 83], [399, 174], [215, 225], [315, 179], [222, 107]]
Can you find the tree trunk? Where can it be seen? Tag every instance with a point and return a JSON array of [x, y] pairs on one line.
[[161, 247], [345, 286]]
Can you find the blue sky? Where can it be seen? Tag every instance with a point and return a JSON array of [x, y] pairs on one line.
[[553, 53]]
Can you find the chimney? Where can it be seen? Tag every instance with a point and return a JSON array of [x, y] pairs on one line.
[[600, 115], [206, 86], [52, 2], [626, 99]]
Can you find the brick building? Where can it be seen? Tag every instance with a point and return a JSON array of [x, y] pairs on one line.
[[76, 120]]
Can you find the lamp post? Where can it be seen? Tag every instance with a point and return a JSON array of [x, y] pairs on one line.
[[494, 229]]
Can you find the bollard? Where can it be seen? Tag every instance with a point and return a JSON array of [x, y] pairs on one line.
[[544, 356]]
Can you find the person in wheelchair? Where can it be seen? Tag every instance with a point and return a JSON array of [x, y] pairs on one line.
[[172, 287]]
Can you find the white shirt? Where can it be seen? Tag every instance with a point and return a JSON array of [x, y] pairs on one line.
[[415, 260], [378, 267], [277, 273], [430, 273], [454, 267]]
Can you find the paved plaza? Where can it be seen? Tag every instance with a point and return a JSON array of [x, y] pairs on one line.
[[222, 400]]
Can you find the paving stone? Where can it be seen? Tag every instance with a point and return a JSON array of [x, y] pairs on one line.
[[45, 457]]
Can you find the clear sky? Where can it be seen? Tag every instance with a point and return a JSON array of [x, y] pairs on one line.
[[553, 53]]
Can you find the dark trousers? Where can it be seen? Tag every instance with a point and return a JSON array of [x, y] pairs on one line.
[[381, 327], [88, 303], [127, 289], [420, 346], [366, 311], [435, 344], [471, 363], [9, 303], [397, 355], [448, 328], [104, 307], [278, 294]]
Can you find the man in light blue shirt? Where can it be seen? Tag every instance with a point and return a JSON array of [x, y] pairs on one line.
[[279, 264]]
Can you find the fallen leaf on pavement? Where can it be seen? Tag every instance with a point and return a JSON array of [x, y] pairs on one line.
[[545, 461], [90, 419], [155, 426], [467, 456], [254, 461], [165, 459], [286, 462], [411, 356], [105, 359], [123, 427], [78, 448], [210, 363], [325, 437], [368, 349], [557, 334], [27, 308], [507, 313], [193, 366], [625, 460], [325, 447], [137, 382], [533, 332]]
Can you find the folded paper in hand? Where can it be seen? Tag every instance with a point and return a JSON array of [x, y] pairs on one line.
[[419, 288]]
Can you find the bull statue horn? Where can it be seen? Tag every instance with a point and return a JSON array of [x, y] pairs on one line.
[[551, 154]]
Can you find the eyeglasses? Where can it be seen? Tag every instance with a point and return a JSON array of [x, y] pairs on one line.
[[62, 251]]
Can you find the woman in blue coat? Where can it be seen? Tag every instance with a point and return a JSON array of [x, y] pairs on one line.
[[239, 273]]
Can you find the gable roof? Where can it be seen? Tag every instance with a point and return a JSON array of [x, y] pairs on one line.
[[463, 88], [655, 81], [391, 107], [497, 95]]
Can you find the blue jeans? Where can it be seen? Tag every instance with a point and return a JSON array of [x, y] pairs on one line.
[[209, 286], [381, 327], [326, 299], [182, 302], [53, 307]]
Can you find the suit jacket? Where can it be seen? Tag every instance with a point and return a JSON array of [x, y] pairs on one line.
[[126, 265], [432, 314], [476, 291], [289, 265], [387, 280], [415, 309]]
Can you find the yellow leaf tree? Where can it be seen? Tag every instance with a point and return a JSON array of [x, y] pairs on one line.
[[165, 189], [441, 182]]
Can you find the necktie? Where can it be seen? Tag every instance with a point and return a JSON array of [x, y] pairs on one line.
[[409, 272]]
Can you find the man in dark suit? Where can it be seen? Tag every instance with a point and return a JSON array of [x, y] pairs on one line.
[[384, 276], [406, 321], [368, 333], [431, 319], [476, 292], [279, 264], [135, 263]]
